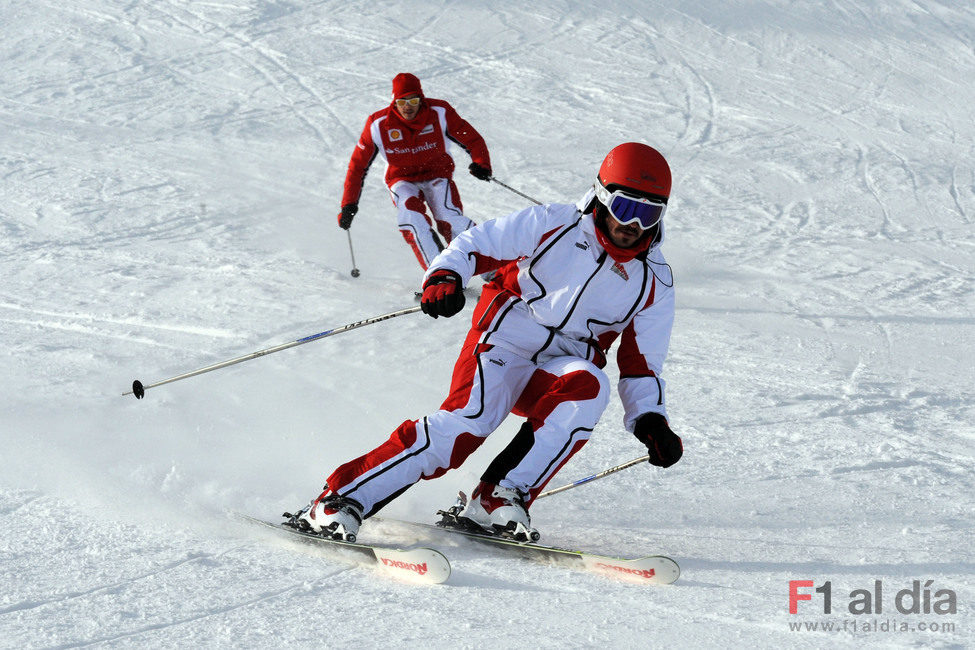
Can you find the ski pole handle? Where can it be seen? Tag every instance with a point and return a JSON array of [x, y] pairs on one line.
[[612, 470], [139, 389]]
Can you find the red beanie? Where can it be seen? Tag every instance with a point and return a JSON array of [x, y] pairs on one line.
[[406, 84]]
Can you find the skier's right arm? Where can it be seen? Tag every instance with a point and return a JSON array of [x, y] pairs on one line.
[[492, 244], [362, 156]]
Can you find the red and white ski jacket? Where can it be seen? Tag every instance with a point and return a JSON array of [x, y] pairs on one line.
[[418, 150], [559, 292]]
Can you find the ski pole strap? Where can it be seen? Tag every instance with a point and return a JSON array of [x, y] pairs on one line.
[[611, 470], [511, 189]]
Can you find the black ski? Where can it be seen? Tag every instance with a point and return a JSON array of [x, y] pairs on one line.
[[651, 569]]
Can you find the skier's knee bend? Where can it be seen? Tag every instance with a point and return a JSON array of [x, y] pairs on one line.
[[579, 381], [601, 396]]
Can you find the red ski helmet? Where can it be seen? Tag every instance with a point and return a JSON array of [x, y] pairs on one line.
[[633, 185], [406, 84], [636, 167]]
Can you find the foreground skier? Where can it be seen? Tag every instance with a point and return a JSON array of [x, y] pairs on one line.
[[572, 279]]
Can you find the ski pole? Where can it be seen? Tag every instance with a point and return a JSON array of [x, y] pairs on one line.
[[524, 196], [611, 470], [355, 269], [139, 389]]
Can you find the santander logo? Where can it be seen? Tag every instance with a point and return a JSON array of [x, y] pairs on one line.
[[640, 573], [420, 569]]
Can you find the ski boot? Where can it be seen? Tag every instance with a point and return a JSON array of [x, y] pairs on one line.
[[492, 510], [330, 515]]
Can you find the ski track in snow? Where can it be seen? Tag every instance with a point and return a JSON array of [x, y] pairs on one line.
[[171, 173]]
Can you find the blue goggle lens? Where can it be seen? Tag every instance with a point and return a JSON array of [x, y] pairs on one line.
[[626, 210]]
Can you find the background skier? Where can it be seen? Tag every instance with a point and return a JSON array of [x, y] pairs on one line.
[[412, 135]]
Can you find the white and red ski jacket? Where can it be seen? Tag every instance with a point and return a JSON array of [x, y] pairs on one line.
[[418, 150], [559, 292]]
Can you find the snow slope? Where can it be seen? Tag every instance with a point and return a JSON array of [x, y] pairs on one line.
[[170, 175]]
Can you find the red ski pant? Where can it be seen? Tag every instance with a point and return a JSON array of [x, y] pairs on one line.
[[448, 213], [561, 398]]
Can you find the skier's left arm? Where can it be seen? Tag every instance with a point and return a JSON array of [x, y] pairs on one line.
[[641, 354], [460, 131]]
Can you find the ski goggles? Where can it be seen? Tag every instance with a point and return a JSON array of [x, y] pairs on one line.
[[410, 101], [628, 209]]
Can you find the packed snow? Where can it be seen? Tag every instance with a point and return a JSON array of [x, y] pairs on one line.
[[171, 172]]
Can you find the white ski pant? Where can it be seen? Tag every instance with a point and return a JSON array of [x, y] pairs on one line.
[[448, 213], [561, 398]]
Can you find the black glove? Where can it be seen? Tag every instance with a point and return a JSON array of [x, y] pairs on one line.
[[663, 444], [479, 172], [345, 216], [443, 294]]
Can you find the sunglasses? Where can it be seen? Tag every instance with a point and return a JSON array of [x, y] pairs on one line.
[[412, 101], [627, 208]]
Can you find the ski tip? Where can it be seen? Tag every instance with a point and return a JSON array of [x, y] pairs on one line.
[[651, 570], [420, 565]]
